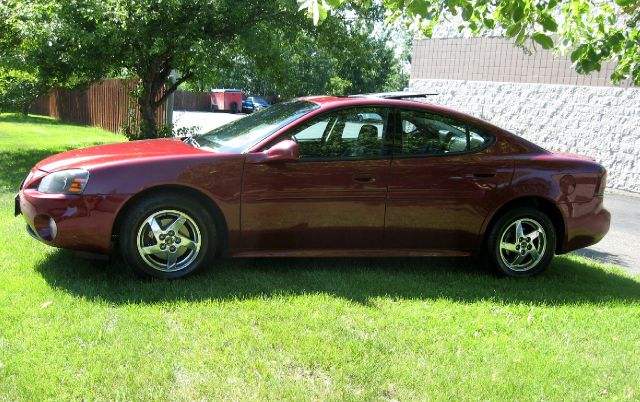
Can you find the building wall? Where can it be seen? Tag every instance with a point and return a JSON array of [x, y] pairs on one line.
[[497, 59], [537, 97]]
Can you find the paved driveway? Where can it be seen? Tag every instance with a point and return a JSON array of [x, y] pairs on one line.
[[205, 121], [620, 247]]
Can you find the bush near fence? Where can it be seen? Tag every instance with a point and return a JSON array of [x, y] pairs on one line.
[[107, 104]]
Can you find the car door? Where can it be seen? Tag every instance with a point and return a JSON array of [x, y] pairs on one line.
[[445, 179], [332, 198]]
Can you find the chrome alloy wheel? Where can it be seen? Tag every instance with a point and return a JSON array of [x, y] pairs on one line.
[[523, 244], [169, 240]]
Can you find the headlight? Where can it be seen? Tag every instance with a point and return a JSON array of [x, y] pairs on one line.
[[72, 181]]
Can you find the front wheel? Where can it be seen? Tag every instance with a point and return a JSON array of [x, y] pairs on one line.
[[522, 242], [167, 236]]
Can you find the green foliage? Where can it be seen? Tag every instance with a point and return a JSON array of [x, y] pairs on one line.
[[66, 43], [149, 40], [594, 31], [342, 55], [18, 89], [544, 40], [40, 50], [63, 43]]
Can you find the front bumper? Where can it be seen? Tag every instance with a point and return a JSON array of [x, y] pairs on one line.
[[17, 211], [77, 222]]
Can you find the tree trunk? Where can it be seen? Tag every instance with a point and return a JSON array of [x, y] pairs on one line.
[[153, 94], [148, 109], [26, 108], [149, 124]]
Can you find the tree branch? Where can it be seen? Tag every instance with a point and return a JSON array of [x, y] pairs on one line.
[[172, 88]]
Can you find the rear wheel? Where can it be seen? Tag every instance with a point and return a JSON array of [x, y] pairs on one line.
[[167, 236], [522, 242]]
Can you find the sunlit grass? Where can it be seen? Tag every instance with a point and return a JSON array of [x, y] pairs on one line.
[[24, 141], [302, 329]]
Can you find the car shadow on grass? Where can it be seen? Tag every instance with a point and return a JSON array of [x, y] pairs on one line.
[[568, 280]]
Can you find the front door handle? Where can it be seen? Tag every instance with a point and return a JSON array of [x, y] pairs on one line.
[[484, 175], [364, 179]]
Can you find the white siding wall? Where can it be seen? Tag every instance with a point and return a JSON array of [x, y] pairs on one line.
[[602, 122]]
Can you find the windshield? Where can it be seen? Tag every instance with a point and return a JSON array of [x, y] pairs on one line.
[[256, 99], [239, 135]]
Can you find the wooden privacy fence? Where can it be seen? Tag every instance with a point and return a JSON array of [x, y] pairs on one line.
[[104, 104], [191, 101]]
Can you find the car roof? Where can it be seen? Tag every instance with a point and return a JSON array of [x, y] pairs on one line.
[[327, 102]]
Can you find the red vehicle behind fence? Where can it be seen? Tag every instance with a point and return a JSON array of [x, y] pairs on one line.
[[225, 100]]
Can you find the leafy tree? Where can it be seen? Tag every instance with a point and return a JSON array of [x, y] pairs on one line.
[[64, 43], [399, 78], [38, 53], [593, 31], [342, 55], [150, 39], [67, 43]]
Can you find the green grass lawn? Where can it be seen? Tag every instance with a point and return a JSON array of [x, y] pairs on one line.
[[301, 329]]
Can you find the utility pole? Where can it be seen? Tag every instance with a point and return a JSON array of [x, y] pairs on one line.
[[169, 110]]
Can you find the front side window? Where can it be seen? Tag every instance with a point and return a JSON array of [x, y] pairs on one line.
[[423, 133], [351, 133]]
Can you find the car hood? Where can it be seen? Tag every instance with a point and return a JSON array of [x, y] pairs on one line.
[[116, 153]]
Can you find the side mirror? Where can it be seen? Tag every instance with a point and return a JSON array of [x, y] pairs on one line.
[[284, 151]]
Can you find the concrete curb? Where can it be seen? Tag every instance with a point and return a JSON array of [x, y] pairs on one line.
[[617, 191]]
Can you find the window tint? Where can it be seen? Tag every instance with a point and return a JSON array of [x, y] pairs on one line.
[[343, 134], [430, 134], [313, 132]]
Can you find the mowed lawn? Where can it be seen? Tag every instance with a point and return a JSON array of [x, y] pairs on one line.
[[299, 329]]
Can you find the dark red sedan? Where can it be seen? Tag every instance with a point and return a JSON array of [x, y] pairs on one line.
[[319, 177]]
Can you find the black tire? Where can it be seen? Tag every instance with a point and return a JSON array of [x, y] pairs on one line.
[[198, 230], [234, 107], [504, 258]]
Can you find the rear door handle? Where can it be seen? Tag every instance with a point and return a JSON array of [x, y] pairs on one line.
[[364, 179]]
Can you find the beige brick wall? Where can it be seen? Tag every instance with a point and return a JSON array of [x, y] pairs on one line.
[[497, 59]]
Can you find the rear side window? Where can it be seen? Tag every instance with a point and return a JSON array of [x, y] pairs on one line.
[[423, 133]]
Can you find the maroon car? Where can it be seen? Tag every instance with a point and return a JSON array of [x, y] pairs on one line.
[[320, 177]]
